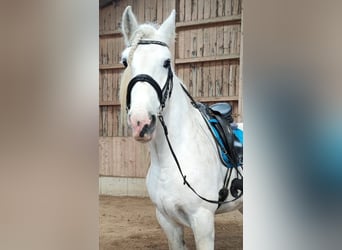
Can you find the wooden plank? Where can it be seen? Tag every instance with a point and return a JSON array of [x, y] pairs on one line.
[[116, 88], [111, 66], [110, 33], [160, 11], [100, 87], [105, 86], [180, 45], [180, 72], [103, 155], [168, 7], [228, 7], [206, 45], [110, 120], [109, 103], [237, 81], [187, 11], [105, 21], [154, 8], [199, 80], [142, 160], [213, 8], [238, 39], [194, 11], [200, 9], [192, 80], [181, 11], [226, 39], [200, 42], [206, 78], [220, 39], [206, 59], [186, 45], [217, 99], [220, 10], [122, 157], [206, 14], [240, 90], [231, 86], [233, 39], [211, 84], [110, 86], [212, 42], [186, 77], [140, 11], [225, 78], [218, 79], [193, 43], [104, 121], [235, 19], [214, 99], [101, 20], [203, 98], [100, 122]]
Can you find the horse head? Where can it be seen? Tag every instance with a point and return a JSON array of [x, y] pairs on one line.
[[147, 81]]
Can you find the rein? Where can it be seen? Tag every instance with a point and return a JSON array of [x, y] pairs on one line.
[[163, 94]]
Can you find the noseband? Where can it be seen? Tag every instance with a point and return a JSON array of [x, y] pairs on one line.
[[162, 94]]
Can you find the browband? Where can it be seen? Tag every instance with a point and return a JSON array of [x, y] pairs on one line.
[[147, 42]]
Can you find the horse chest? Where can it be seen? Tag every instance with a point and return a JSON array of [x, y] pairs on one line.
[[168, 195]]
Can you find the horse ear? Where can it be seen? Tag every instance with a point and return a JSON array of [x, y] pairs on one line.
[[129, 24], [168, 28]]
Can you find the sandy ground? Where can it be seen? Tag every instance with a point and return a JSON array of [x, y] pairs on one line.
[[130, 223]]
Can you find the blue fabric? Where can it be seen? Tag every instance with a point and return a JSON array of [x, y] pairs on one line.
[[239, 134], [219, 139]]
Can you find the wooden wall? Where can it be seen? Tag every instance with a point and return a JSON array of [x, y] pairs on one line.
[[207, 58]]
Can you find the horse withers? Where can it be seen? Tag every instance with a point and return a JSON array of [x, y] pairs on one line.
[[186, 172]]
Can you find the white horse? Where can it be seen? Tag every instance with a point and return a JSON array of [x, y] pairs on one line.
[[150, 90]]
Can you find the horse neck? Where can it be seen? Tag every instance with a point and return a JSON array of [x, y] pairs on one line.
[[179, 116]]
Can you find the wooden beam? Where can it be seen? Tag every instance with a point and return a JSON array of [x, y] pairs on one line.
[[206, 59], [105, 3], [111, 66], [240, 103], [212, 21], [199, 99], [217, 99], [110, 33], [109, 103], [181, 61], [188, 24]]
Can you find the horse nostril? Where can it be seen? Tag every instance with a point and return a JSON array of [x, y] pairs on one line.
[[152, 117]]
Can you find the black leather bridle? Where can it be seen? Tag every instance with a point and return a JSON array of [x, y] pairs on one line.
[[163, 93]]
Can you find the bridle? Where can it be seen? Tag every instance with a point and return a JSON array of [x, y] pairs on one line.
[[164, 93]]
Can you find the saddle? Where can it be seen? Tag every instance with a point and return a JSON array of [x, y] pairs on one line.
[[228, 137]]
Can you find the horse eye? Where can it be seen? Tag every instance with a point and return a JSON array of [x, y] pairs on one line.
[[124, 62], [166, 63]]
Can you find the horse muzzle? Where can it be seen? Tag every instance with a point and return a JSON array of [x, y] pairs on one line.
[[143, 129]]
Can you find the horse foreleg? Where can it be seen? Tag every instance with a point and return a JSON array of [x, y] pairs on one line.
[[173, 231], [202, 224]]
